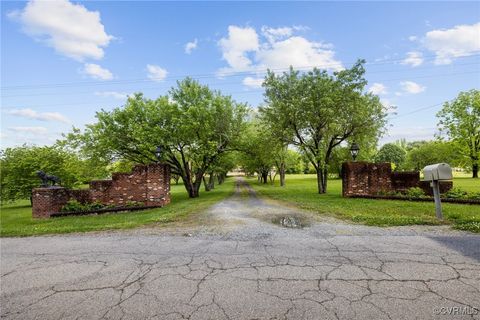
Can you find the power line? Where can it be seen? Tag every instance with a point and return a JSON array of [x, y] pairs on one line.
[[199, 76], [417, 110], [164, 86]]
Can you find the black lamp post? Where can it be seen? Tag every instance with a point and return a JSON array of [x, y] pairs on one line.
[[354, 149], [158, 153]]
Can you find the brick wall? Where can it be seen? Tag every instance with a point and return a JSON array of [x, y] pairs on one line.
[[402, 181], [149, 184], [366, 178], [427, 188], [48, 200]]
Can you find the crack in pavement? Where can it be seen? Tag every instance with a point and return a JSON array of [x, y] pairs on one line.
[[248, 268]]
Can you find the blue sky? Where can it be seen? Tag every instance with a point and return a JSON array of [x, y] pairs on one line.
[[62, 61]]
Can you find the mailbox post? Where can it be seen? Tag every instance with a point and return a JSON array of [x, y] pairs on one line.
[[436, 173]]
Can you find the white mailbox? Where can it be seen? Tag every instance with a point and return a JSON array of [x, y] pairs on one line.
[[438, 171]]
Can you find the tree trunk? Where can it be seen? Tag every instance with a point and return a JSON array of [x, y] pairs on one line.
[[211, 181], [320, 181], [205, 184], [264, 177], [193, 188], [325, 179], [475, 170], [282, 174]]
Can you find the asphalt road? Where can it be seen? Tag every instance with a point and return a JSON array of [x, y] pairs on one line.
[[242, 265]]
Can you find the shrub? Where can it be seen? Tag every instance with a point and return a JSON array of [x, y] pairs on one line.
[[415, 192], [388, 193], [73, 205], [458, 193], [134, 204]]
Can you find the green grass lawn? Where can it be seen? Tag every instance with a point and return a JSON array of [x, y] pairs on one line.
[[467, 184], [301, 191], [16, 219]]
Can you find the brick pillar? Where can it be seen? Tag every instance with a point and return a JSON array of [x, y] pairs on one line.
[[365, 178], [46, 201], [158, 184]]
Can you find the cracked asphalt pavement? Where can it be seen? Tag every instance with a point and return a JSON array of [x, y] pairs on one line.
[[240, 265]]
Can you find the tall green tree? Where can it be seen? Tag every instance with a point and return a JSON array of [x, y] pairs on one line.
[[258, 150], [319, 111], [460, 121], [393, 153], [430, 152], [193, 125]]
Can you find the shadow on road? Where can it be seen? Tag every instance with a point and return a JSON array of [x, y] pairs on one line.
[[468, 246]]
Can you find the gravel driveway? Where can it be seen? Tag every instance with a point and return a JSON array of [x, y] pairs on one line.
[[244, 264]]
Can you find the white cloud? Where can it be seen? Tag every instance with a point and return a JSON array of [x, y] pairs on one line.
[[240, 41], [274, 34], [277, 48], [97, 72], [70, 29], [378, 88], [112, 94], [30, 130], [253, 82], [43, 116], [156, 73], [299, 53], [414, 58], [190, 46], [411, 87], [459, 41]]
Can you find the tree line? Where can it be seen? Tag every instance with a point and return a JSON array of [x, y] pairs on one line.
[[306, 124]]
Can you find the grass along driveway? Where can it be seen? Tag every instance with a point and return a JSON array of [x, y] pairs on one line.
[[301, 191], [16, 219]]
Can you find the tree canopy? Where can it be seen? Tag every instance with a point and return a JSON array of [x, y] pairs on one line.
[[193, 125], [391, 152], [20, 164], [317, 111], [460, 121], [430, 152]]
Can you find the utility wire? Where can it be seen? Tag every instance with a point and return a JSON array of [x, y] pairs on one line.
[[166, 86], [201, 76]]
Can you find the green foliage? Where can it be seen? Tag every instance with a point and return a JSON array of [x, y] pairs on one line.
[[389, 193], [316, 112], [193, 124], [459, 193], [425, 153], [75, 206], [293, 162], [415, 192], [460, 121], [20, 164], [392, 153], [258, 150], [131, 204]]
